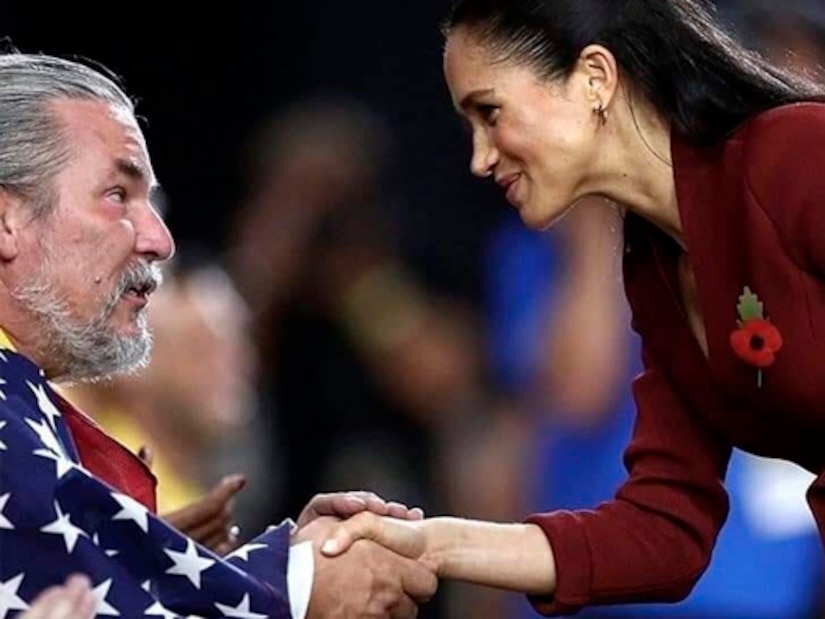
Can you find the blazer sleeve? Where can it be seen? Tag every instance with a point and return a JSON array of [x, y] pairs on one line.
[[785, 179], [654, 539]]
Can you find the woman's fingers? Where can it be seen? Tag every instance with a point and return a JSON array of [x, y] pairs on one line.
[[401, 536]]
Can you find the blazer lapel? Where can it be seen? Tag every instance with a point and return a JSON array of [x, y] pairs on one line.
[[708, 198], [709, 186]]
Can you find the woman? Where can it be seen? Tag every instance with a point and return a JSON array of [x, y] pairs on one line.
[[715, 158]]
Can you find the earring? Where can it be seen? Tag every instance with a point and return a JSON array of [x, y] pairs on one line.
[[603, 113]]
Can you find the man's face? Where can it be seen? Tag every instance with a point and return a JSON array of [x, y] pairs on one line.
[[89, 265]]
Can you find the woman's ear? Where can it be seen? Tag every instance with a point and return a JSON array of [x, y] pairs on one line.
[[598, 66], [11, 217]]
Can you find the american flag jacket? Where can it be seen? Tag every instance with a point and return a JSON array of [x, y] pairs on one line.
[[58, 516]]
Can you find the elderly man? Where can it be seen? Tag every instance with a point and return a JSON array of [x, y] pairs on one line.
[[79, 247]]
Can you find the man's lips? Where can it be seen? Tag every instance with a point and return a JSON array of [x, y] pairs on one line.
[[142, 290]]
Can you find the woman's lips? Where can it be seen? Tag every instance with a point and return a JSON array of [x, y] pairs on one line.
[[509, 184]]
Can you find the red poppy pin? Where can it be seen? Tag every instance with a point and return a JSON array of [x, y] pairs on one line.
[[757, 340]]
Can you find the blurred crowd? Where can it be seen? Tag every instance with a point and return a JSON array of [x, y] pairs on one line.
[[311, 355]]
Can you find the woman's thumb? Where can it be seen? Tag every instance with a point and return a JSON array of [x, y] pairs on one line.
[[361, 526]]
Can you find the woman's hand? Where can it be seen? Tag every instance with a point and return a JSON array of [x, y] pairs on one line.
[[348, 504], [405, 537]]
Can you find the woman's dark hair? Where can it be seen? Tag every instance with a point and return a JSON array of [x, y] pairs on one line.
[[673, 52]]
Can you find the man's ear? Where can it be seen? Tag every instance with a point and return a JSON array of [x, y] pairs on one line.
[[11, 219]]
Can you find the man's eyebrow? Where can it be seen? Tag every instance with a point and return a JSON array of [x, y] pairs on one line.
[[467, 99], [134, 171]]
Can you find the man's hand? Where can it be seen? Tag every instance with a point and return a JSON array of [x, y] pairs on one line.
[[72, 600], [367, 581], [347, 504], [209, 520]]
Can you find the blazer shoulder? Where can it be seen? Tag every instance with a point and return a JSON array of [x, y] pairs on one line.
[[797, 126], [782, 155]]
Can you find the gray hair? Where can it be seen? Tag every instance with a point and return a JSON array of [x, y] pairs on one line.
[[33, 144]]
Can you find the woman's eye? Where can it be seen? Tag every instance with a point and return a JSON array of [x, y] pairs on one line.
[[487, 112]]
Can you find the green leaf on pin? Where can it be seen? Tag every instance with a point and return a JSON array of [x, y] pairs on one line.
[[750, 307]]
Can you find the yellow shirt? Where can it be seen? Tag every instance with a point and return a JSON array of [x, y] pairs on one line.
[[5, 342]]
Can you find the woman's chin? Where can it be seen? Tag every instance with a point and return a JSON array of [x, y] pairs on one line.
[[537, 221], [540, 219]]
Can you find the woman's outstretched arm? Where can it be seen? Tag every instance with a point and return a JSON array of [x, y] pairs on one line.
[[508, 556]]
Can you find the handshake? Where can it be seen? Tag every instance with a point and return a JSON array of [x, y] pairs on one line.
[[359, 567], [370, 557], [352, 554], [379, 559]]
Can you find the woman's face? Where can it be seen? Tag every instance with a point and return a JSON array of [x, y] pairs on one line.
[[536, 138]]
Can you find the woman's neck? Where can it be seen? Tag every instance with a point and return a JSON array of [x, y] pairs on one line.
[[637, 167]]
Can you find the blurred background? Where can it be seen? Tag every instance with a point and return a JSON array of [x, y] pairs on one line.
[[350, 309]]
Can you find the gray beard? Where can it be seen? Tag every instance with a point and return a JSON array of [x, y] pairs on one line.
[[87, 351]]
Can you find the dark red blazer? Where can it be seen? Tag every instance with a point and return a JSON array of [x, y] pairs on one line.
[[753, 214]]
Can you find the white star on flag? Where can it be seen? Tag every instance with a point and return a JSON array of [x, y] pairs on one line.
[[131, 510], [243, 552], [9, 600], [46, 436], [4, 522], [2, 393], [159, 610], [103, 608], [63, 526], [189, 563], [109, 553], [241, 611], [2, 444], [46, 406], [62, 465]]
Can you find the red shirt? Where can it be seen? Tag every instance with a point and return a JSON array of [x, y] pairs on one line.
[[108, 459]]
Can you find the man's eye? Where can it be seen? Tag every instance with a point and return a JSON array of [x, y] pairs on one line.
[[118, 194]]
